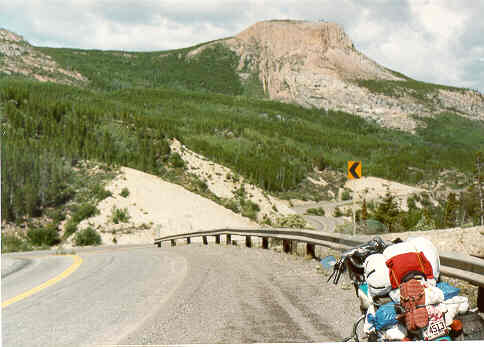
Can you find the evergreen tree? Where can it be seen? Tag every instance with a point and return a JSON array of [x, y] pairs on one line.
[[364, 211], [450, 213], [387, 211]]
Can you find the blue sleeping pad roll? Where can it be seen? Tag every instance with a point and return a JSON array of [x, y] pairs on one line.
[[449, 291]]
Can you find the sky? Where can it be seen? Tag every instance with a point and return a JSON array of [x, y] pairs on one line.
[[439, 41]]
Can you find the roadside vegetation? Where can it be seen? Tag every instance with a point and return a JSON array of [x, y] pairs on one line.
[[34, 223], [455, 210]]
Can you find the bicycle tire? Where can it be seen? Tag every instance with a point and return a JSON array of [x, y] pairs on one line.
[[358, 334]]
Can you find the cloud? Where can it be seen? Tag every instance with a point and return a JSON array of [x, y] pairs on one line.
[[437, 41]]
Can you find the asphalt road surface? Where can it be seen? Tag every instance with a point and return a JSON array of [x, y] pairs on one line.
[[168, 295]]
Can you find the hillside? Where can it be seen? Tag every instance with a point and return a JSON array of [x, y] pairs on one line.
[[129, 108], [313, 64], [19, 58]]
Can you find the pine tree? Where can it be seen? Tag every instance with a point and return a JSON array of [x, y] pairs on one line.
[[364, 211], [450, 213], [387, 211]]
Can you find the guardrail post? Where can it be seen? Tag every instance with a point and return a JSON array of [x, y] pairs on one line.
[[228, 239], [480, 299], [205, 241], [265, 242], [217, 239], [294, 247], [248, 242], [310, 250], [188, 241], [286, 246], [173, 243]]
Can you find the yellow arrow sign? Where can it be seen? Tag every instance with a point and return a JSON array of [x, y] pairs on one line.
[[354, 169]]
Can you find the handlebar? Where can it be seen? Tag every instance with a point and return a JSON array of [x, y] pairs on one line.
[[354, 259]]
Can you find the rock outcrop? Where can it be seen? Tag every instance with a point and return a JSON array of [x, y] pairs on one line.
[[18, 57], [315, 64]]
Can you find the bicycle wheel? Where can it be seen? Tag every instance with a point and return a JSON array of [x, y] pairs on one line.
[[358, 333]]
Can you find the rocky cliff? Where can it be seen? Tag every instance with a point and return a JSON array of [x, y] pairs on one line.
[[315, 64]]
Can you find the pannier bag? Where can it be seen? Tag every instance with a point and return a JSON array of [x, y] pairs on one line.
[[412, 300]]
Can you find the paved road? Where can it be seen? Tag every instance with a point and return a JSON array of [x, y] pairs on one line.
[[184, 294]]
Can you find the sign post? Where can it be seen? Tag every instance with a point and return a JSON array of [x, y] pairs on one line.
[[354, 172]]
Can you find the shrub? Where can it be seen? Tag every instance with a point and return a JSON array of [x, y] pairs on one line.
[[176, 161], [249, 209], [70, 228], [100, 192], [125, 192], [44, 236], [87, 237], [375, 227], [320, 162], [337, 212], [316, 211], [345, 195], [292, 221], [84, 211], [57, 215], [120, 215], [13, 243], [232, 205]]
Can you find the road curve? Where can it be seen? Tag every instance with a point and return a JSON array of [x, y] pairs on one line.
[[324, 223], [185, 294]]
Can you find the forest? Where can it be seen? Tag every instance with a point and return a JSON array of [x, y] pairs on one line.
[[48, 128]]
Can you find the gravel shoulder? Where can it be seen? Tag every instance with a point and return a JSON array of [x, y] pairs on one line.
[[240, 295]]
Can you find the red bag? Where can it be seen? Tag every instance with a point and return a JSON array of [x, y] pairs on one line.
[[412, 299], [402, 264]]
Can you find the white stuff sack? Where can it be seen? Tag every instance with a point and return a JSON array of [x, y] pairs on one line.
[[429, 250], [377, 275], [433, 295], [398, 248], [395, 333], [453, 306]]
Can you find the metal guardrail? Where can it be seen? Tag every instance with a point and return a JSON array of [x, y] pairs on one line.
[[460, 266]]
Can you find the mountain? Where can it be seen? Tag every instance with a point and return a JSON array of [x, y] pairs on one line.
[[313, 64]]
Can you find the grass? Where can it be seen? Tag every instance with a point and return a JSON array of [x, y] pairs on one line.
[[119, 215]]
